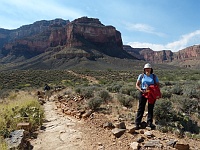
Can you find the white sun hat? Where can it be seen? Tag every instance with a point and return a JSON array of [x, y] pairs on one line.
[[148, 65]]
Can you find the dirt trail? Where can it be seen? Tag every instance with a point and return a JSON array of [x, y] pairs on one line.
[[89, 78], [60, 132]]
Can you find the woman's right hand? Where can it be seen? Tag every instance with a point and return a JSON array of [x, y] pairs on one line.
[[145, 91]]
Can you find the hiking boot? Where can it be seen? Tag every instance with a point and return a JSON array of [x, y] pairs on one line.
[[151, 125], [137, 127]]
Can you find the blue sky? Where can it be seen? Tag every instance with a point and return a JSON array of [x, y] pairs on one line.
[[156, 24]]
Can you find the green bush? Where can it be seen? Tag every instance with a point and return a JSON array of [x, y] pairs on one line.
[[163, 111], [135, 93], [166, 92], [94, 103], [125, 100], [189, 125], [191, 91], [176, 89], [187, 105], [127, 90], [86, 92], [78, 90], [114, 88], [104, 95], [185, 123], [168, 83]]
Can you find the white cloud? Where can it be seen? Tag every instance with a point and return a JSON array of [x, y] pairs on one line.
[[142, 28], [139, 27], [190, 39]]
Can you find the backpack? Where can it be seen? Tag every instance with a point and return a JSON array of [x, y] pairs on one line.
[[46, 88]]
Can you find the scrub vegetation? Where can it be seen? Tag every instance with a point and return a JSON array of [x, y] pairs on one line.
[[178, 111]]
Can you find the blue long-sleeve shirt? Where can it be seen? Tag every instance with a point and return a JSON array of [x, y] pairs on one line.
[[147, 80]]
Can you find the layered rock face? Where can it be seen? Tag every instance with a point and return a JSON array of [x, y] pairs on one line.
[[157, 56], [191, 52], [4, 36], [86, 33], [165, 56], [89, 29], [91, 33], [34, 39]]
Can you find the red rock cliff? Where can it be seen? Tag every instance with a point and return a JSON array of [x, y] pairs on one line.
[[89, 32], [83, 32], [191, 52], [188, 57]]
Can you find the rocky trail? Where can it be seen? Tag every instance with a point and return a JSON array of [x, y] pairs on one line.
[[65, 132], [58, 132]]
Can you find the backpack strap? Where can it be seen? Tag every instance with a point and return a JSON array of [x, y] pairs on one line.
[[154, 79], [142, 75]]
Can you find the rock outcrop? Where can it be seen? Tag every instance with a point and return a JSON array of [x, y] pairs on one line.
[[192, 52], [88, 34], [148, 54], [34, 39], [187, 57], [91, 30]]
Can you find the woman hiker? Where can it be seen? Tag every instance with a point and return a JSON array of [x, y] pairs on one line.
[[144, 80]]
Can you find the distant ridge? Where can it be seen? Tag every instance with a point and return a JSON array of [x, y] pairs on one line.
[[188, 57], [61, 44]]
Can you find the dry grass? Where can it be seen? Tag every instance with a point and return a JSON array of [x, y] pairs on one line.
[[3, 145], [19, 107]]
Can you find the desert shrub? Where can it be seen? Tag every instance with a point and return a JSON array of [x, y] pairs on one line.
[[194, 76], [163, 111], [135, 93], [176, 89], [168, 77], [114, 88], [36, 78], [4, 93], [166, 92], [103, 81], [87, 92], [4, 132], [104, 95], [180, 120], [94, 103], [191, 91], [125, 100], [187, 105], [127, 90], [78, 90], [168, 83], [185, 123], [188, 124]]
